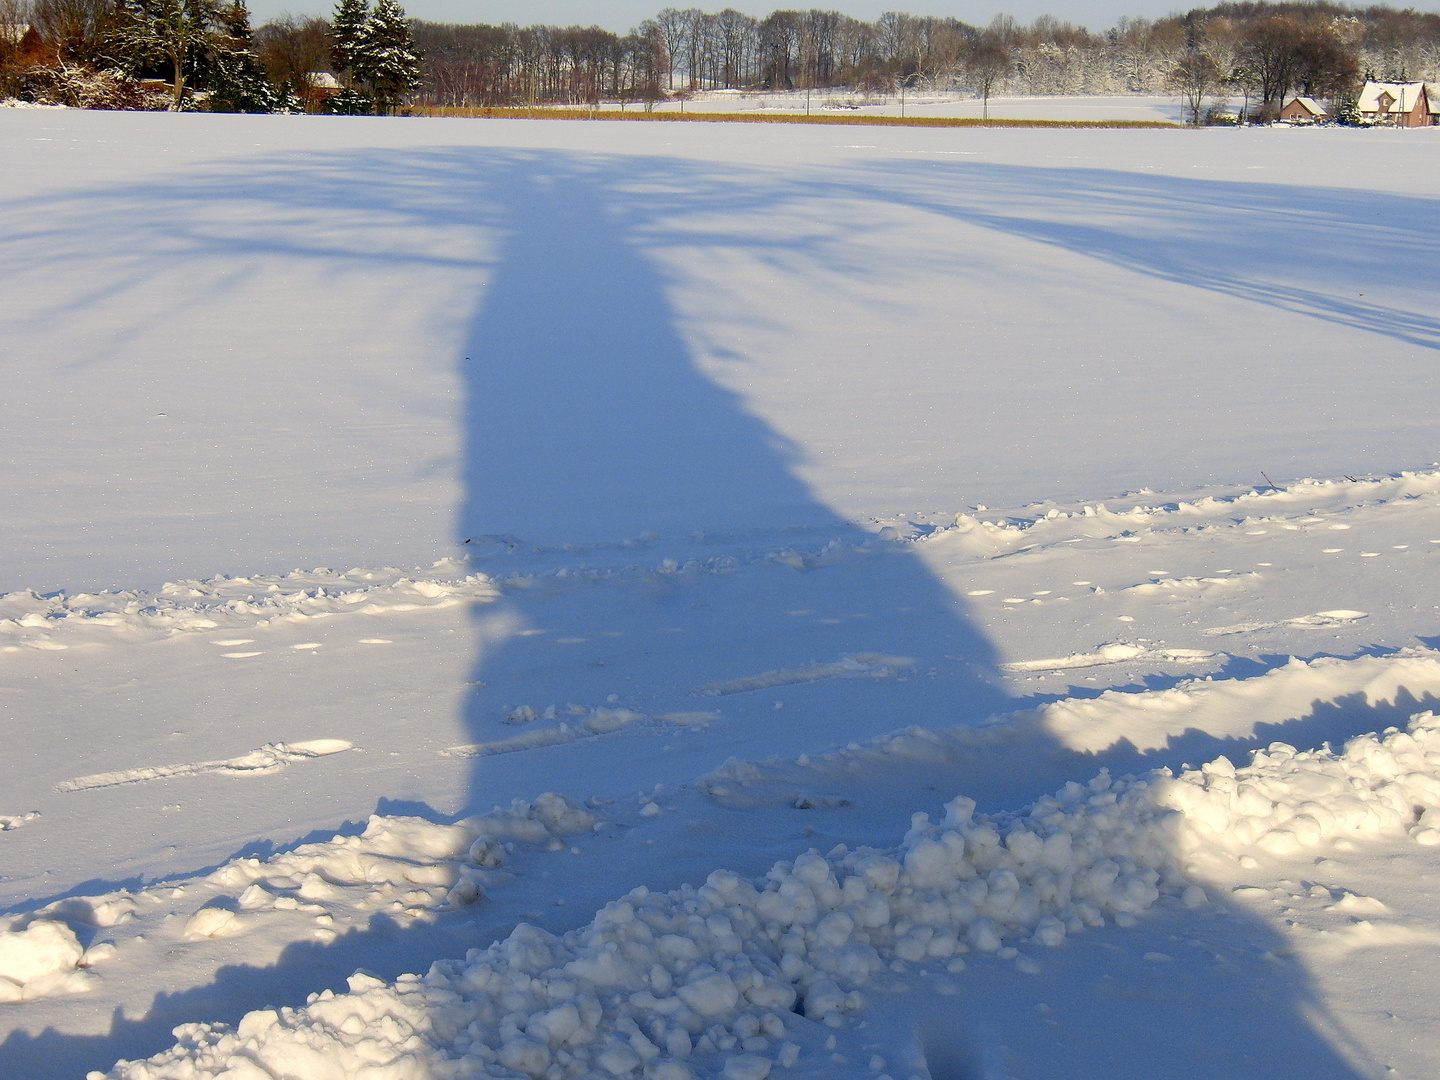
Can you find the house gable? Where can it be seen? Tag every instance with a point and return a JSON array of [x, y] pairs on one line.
[[1403, 104]]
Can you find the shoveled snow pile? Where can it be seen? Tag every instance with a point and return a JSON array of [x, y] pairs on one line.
[[707, 981], [1286, 800]]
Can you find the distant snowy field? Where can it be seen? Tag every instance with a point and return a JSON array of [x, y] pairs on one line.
[[499, 598], [1091, 107]]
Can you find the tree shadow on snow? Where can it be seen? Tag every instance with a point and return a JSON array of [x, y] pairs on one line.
[[1342, 256]]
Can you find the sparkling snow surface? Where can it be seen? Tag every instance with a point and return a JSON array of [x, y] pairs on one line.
[[789, 602]]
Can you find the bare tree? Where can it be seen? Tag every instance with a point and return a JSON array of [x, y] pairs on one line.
[[1324, 67], [14, 23], [72, 29], [779, 44], [1195, 78], [290, 48], [1271, 58], [674, 27], [987, 65], [736, 33]]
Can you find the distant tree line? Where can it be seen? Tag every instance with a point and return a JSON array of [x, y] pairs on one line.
[[1259, 52], [371, 60]]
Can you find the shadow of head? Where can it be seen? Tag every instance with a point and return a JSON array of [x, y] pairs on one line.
[[951, 1051]]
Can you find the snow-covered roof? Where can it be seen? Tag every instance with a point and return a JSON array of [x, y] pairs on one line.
[[322, 80], [1402, 97], [1310, 105]]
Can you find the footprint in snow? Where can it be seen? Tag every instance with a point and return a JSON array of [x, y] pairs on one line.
[[1320, 620], [267, 759]]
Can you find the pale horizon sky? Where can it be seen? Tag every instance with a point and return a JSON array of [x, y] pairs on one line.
[[622, 15]]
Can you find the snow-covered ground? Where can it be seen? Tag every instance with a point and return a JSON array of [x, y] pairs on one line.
[[682, 511]]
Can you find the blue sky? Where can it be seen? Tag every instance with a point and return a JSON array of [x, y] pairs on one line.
[[621, 15]]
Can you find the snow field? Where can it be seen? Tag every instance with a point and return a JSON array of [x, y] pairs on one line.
[[1118, 238], [706, 981], [854, 399]]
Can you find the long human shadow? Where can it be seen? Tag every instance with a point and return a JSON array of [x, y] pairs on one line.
[[591, 436], [589, 426], [595, 442]]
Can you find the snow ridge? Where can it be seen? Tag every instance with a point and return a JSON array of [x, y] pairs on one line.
[[53, 622]]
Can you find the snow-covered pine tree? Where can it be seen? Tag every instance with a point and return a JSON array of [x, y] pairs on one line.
[[236, 78], [347, 29], [386, 59]]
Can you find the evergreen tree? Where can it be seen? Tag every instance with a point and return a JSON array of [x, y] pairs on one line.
[[349, 102], [235, 76], [347, 30], [385, 58], [1348, 114]]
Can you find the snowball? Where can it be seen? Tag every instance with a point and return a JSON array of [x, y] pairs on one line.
[[212, 922], [710, 996], [618, 1059], [823, 999], [1050, 931], [746, 1067], [983, 935], [525, 1056], [487, 851], [835, 929]]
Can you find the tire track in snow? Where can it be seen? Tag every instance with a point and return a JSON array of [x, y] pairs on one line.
[[1321, 620]]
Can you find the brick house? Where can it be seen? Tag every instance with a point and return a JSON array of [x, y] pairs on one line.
[[1304, 110], [1400, 104]]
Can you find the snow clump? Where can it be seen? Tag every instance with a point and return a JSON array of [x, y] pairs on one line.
[[39, 960]]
